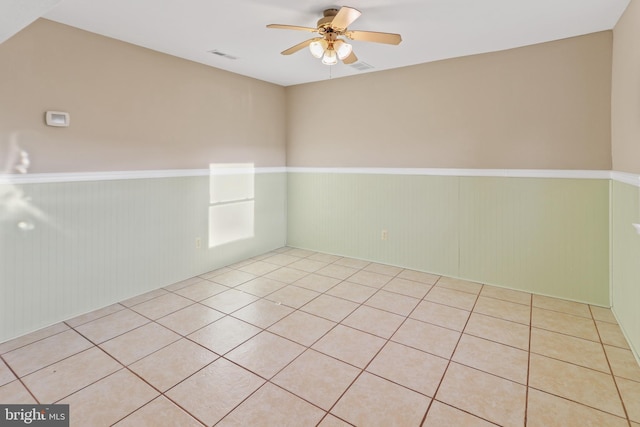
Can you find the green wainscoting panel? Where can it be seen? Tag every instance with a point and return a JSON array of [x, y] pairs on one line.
[[543, 235], [345, 214], [540, 235], [625, 262], [96, 243]]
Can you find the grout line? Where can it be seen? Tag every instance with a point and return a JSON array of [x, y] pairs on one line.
[[444, 373], [526, 399], [613, 377]]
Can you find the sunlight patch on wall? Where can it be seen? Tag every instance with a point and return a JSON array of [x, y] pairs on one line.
[[231, 210]]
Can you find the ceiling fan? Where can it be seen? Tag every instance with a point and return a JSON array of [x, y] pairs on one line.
[[329, 46]]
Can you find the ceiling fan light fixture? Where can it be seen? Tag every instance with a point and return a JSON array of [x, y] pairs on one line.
[[330, 57], [317, 48], [342, 48]]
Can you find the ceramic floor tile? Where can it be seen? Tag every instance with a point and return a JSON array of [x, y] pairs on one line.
[[229, 301], [190, 319], [93, 315], [450, 297], [459, 285], [215, 273], [546, 410], [504, 294], [6, 376], [352, 292], [324, 257], [32, 337], [317, 378], [15, 393], [161, 306], [109, 400], [498, 330], [286, 275], [184, 283], [376, 322], [441, 315], [503, 310], [330, 307], [223, 335], [201, 290], [292, 296], [497, 359], [138, 299], [273, 406], [214, 391], [389, 270], [172, 364], [111, 326], [418, 276], [407, 287], [374, 401], [261, 286], [487, 396], [603, 314], [582, 385], [332, 421], [611, 334], [563, 306], [350, 345], [414, 369], [569, 349], [300, 253], [39, 354], [265, 354], [302, 327], [369, 278], [281, 259], [138, 343], [337, 271], [241, 264], [232, 278], [160, 412], [308, 265], [623, 364], [395, 303], [565, 324], [352, 262], [61, 379], [427, 337], [630, 391], [262, 313], [316, 282], [441, 415], [259, 268]]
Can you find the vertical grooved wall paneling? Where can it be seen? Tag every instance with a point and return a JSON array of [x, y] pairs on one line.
[[541, 235], [625, 210], [95, 243]]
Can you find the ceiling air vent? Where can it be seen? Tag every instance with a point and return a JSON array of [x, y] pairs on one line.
[[224, 55], [362, 66]]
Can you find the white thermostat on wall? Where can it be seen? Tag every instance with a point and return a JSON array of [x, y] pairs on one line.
[[57, 118]]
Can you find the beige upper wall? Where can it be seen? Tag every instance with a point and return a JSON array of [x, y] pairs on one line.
[[625, 92], [131, 108], [545, 106]]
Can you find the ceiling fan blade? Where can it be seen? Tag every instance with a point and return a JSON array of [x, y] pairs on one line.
[[372, 36], [345, 17], [292, 27], [350, 59], [300, 46]]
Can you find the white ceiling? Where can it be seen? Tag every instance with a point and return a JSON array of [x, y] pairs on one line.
[[431, 29]]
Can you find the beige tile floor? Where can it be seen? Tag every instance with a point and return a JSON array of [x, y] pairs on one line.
[[300, 338]]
